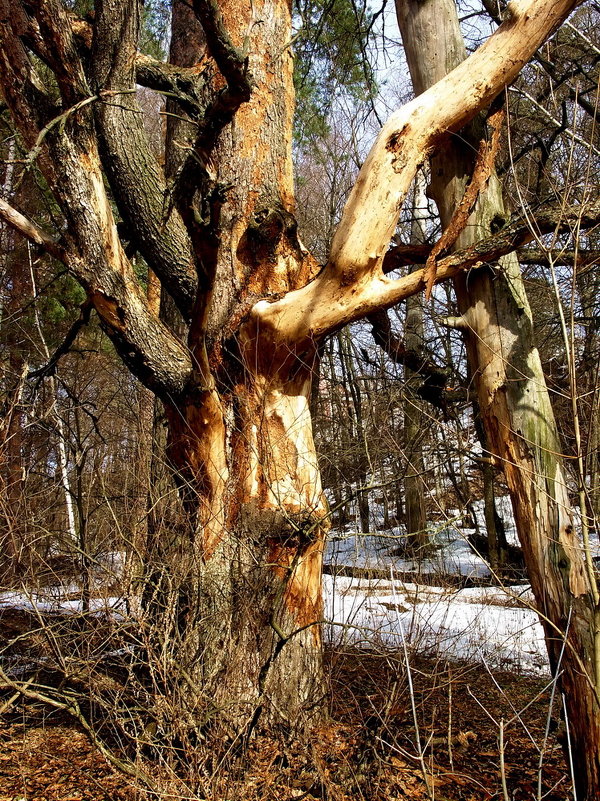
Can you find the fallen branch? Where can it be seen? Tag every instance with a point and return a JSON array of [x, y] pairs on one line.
[[72, 708]]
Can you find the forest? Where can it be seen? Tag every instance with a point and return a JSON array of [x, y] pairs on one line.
[[300, 398]]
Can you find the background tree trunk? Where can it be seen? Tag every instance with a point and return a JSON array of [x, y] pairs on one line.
[[414, 416], [515, 406]]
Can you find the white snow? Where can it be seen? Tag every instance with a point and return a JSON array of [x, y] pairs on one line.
[[54, 602], [497, 625], [452, 555], [491, 624], [473, 624]]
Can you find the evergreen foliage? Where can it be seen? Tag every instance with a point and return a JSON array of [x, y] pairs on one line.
[[330, 56]]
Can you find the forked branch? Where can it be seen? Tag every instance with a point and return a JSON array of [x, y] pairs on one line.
[[352, 284]]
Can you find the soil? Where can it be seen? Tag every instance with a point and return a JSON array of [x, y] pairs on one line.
[[369, 748]]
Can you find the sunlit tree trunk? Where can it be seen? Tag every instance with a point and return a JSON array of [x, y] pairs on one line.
[[514, 403], [249, 601], [243, 641]]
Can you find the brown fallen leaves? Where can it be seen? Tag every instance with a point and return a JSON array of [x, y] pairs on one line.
[[52, 761], [366, 752]]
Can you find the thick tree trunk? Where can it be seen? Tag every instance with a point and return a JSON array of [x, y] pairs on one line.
[[515, 407], [253, 583], [249, 610], [244, 599], [496, 536]]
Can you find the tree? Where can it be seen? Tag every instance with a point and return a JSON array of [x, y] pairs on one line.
[[414, 333], [221, 236], [513, 401]]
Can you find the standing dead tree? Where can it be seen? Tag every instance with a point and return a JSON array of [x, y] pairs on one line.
[[222, 238]]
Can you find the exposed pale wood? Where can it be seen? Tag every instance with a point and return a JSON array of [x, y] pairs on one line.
[[323, 306], [409, 135], [241, 597], [31, 231], [515, 408]]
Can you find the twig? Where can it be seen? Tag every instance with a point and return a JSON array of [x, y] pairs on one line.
[[49, 369], [72, 708], [502, 765], [61, 121], [411, 692], [569, 749]]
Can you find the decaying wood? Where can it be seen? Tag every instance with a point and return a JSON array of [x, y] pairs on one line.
[[241, 597], [352, 284], [515, 409], [482, 170]]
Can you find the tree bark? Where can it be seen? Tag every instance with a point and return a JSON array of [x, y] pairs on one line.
[[414, 418], [515, 405], [242, 627]]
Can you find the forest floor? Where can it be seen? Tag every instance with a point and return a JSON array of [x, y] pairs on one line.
[[469, 722], [368, 750]]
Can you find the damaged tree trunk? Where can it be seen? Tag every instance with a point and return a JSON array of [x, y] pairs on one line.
[[242, 601], [515, 406], [249, 608]]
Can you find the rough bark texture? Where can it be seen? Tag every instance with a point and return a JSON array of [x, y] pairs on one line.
[[241, 594], [414, 418], [241, 439], [515, 405]]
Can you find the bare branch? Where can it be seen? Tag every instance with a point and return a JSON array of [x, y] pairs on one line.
[[557, 123], [49, 369], [305, 316], [385, 337], [482, 171], [433, 388], [30, 231], [516, 233], [411, 133], [177, 83], [145, 344], [579, 258]]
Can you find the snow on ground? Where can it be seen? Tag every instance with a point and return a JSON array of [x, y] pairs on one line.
[[54, 601], [452, 554], [488, 624], [495, 625]]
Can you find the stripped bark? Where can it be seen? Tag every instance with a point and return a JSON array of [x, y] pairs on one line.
[[515, 407], [245, 633]]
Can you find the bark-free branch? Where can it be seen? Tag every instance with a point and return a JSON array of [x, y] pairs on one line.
[[410, 135], [352, 284], [323, 306]]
